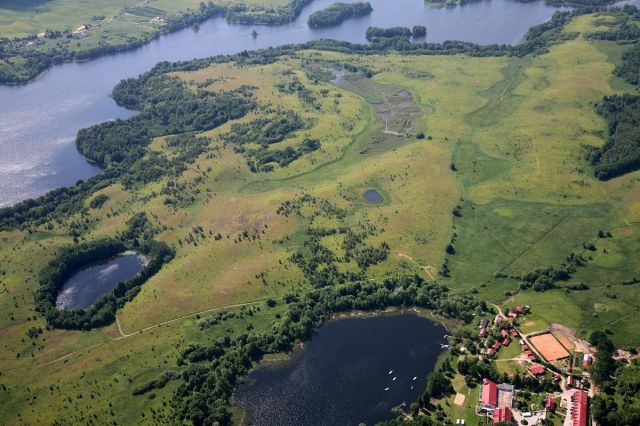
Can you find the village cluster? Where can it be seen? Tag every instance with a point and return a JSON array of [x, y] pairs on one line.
[[547, 356]]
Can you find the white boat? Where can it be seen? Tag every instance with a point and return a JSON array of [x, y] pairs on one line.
[[394, 378], [386, 389], [415, 377], [390, 371]]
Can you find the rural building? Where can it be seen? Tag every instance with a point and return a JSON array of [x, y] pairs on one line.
[[570, 381], [587, 360], [489, 397], [579, 408], [504, 332], [550, 404], [496, 345], [505, 395], [484, 322], [502, 415], [506, 342], [483, 332], [491, 352], [536, 369]]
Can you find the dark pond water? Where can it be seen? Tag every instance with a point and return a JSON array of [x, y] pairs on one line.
[[39, 121], [372, 196], [82, 289], [340, 376]]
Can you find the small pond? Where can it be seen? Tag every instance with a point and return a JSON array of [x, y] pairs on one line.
[[82, 289], [353, 370], [373, 197]]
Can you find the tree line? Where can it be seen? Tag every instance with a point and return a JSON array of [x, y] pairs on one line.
[[337, 13]]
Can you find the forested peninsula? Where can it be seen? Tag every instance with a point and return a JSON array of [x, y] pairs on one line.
[[337, 13]]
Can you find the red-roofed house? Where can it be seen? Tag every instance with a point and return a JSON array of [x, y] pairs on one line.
[[579, 408], [502, 415], [514, 332], [496, 345], [536, 369], [506, 342], [550, 404], [532, 357], [512, 314], [489, 394], [519, 309], [499, 318], [570, 381], [491, 352], [504, 333], [483, 332]]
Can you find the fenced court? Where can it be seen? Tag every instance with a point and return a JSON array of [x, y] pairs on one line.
[[549, 347]]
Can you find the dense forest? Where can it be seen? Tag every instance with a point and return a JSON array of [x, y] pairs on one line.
[[211, 372], [621, 152], [337, 13], [70, 259], [618, 404]]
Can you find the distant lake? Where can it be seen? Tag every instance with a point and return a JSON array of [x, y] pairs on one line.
[[83, 288], [39, 120], [340, 376]]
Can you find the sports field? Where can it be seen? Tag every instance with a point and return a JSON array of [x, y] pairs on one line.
[[549, 347]]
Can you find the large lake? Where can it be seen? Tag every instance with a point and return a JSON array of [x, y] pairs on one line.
[[83, 288], [39, 120], [340, 376]]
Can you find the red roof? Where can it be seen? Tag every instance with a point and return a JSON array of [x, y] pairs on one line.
[[519, 309], [496, 345], [499, 318], [506, 342], [579, 408], [550, 403], [504, 332], [557, 378], [489, 393], [525, 347], [490, 351], [513, 315], [502, 414], [532, 357], [514, 332], [483, 332], [537, 369]]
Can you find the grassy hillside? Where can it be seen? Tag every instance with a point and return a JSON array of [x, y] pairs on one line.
[[499, 174]]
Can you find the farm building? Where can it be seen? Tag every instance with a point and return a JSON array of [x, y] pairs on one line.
[[489, 397], [550, 404], [587, 360], [579, 408], [505, 395], [536, 369], [502, 415]]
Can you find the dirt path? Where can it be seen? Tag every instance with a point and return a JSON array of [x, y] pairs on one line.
[[124, 335], [427, 269]]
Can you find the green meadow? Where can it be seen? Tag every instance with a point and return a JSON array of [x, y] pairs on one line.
[[502, 147]]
